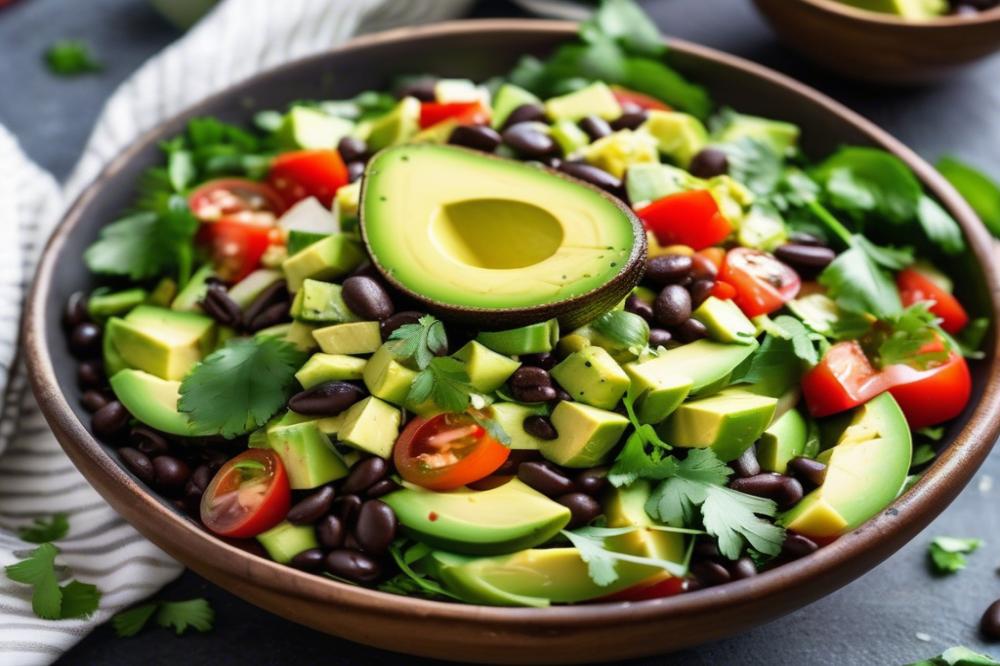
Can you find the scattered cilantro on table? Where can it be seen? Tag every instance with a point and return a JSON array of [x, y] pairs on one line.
[[236, 389], [43, 530], [947, 554], [49, 600], [71, 57], [958, 656], [180, 616]]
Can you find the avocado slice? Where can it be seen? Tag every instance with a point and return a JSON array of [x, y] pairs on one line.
[[284, 541], [449, 226], [387, 378], [320, 302], [536, 338], [113, 361], [508, 98], [626, 507], [304, 127], [370, 426], [586, 434], [679, 136], [728, 422], [489, 522], [778, 135], [487, 370], [163, 342], [725, 321], [591, 376], [358, 337], [919, 10], [330, 258], [569, 136], [187, 298], [330, 367], [396, 126], [309, 458], [511, 416], [621, 151], [596, 99], [865, 471], [783, 440], [246, 291], [153, 401]]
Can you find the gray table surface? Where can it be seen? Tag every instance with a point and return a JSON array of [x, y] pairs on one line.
[[894, 615]]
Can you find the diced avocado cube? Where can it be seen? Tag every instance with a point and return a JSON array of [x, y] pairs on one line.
[[569, 136], [621, 151], [778, 135], [396, 126], [591, 376], [508, 98], [328, 259], [103, 304], [437, 133], [187, 298], [783, 440], [296, 332], [321, 302], [510, 416], [597, 99], [573, 342], [762, 228], [725, 321], [346, 202], [728, 422], [307, 454], [487, 370], [163, 293], [531, 339], [300, 240], [163, 342], [284, 541], [113, 361], [586, 435], [329, 368], [246, 291], [309, 215], [626, 507], [387, 378], [651, 181], [660, 391], [304, 127], [679, 136], [370, 425], [356, 337]]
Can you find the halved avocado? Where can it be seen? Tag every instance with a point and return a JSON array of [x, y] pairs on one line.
[[478, 238]]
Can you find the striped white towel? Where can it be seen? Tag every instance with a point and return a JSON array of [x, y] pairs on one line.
[[239, 38]]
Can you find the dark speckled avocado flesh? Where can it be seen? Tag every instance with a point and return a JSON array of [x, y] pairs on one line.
[[479, 239]]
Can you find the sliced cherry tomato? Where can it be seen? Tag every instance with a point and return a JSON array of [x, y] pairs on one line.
[[763, 284], [713, 255], [249, 495], [237, 247], [914, 287], [308, 173], [466, 113], [843, 379], [236, 198], [626, 96], [446, 452], [686, 218], [661, 587], [723, 290]]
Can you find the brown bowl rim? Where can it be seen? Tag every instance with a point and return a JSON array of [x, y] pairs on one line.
[[945, 478], [947, 21]]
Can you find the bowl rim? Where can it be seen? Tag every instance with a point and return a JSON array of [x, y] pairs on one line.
[[946, 21], [942, 481]]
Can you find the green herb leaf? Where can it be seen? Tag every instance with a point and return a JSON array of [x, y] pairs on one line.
[[802, 340], [624, 22], [491, 426], [947, 554], [420, 342], [904, 335], [71, 57], [38, 570], [181, 169], [922, 454], [982, 192], [410, 583], [868, 180], [958, 656], [180, 616], [858, 283], [626, 330], [236, 389], [79, 600], [754, 164], [589, 542], [44, 530], [451, 391], [940, 227], [130, 622]]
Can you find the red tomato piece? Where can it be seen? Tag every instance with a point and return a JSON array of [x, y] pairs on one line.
[[843, 379], [662, 587], [686, 218], [763, 284], [723, 290], [466, 113], [308, 173], [626, 97], [249, 495], [932, 396], [713, 255], [236, 198], [237, 247], [446, 452], [914, 287]]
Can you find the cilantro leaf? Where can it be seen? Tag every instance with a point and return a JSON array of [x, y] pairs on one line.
[[451, 390], [922, 454], [903, 336], [195, 614], [623, 330], [947, 554], [633, 462], [624, 22], [958, 656], [420, 342], [862, 180], [130, 622], [79, 600], [800, 337], [491, 426], [236, 389], [940, 227], [71, 57], [754, 164], [982, 193], [590, 543], [38, 570], [410, 583], [858, 283], [44, 530]]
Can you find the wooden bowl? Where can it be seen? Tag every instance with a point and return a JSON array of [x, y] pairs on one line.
[[881, 48], [476, 633]]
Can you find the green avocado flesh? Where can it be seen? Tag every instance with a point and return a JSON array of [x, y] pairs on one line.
[[865, 471], [153, 401], [464, 229]]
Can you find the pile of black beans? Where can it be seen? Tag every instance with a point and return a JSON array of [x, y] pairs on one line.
[[683, 283], [271, 307], [577, 490]]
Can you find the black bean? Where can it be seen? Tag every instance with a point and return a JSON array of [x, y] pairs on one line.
[[527, 376], [545, 360], [85, 340], [376, 527], [595, 127], [989, 625], [659, 337], [351, 542], [796, 546], [637, 306], [746, 465], [326, 399], [706, 549], [593, 175], [529, 142], [477, 137], [524, 114], [364, 475], [138, 463], [810, 472], [807, 258], [700, 291], [668, 269], [76, 310], [346, 507], [312, 507], [742, 568], [421, 88], [219, 306], [709, 162], [514, 460], [276, 293], [90, 374], [110, 420], [540, 427], [272, 315], [591, 481], [562, 395], [672, 306], [710, 573], [171, 473], [397, 320], [198, 481], [805, 238], [367, 298], [309, 560], [691, 330], [93, 400], [544, 478], [381, 488], [582, 507], [355, 170], [330, 532], [149, 441], [629, 120], [534, 393], [352, 149], [367, 269], [353, 565], [702, 268], [784, 490]]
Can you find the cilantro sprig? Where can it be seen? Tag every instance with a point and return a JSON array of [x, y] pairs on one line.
[[71, 57], [601, 561], [180, 616], [408, 581], [958, 656], [442, 379], [947, 554], [49, 600], [634, 461], [43, 530]]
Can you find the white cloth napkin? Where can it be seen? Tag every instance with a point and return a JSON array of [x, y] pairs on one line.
[[237, 39]]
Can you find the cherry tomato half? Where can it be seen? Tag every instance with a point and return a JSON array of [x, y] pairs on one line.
[[308, 173], [642, 100], [249, 495], [237, 247], [465, 113], [914, 287], [763, 284], [238, 199], [660, 587], [446, 452], [686, 218]]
